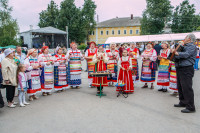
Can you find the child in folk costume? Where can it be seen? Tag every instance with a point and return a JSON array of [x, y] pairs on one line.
[[33, 74], [47, 71], [134, 54], [113, 56], [89, 54], [148, 57], [22, 85], [74, 57], [60, 70], [125, 74], [100, 58], [163, 70]]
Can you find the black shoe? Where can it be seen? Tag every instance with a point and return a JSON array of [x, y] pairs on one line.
[[187, 111], [160, 89], [179, 105], [164, 90]]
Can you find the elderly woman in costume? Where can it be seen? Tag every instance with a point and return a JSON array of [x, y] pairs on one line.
[[60, 70], [33, 74], [134, 54], [113, 56], [89, 54], [163, 70], [100, 58], [9, 73], [148, 57], [74, 57], [47, 71]]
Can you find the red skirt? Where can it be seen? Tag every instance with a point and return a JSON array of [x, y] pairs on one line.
[[101, 66], [126, 77]]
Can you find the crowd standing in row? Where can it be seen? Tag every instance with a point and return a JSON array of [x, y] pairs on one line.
[[44, 72]]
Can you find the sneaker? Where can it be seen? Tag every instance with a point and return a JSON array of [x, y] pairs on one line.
[[15, 103], [22, 105], [12, 106], [25, 103]]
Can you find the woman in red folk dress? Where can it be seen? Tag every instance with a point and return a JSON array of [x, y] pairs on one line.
[[100, 58], [125, 74]]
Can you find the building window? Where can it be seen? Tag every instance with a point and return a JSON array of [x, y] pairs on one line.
[[131, 31], [137, 31], [101, 32], [113, 32], [124, 32], [92, 32], [118, 32], [107, 32]]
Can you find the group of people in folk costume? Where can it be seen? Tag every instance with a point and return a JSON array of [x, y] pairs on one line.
[[45, 71], [125, 68]]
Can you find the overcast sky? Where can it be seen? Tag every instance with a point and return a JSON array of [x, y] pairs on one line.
[[27, 11]]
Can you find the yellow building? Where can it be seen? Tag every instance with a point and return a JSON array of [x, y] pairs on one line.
[[116, 27]]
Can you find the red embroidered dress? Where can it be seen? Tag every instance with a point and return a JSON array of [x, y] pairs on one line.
[[126, 75]]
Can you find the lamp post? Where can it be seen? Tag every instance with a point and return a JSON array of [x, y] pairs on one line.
[[67, 37]]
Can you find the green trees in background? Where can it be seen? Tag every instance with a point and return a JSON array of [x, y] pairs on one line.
[[8, 25], [80, 21], [158, 13], [184, 18], [49, 16]]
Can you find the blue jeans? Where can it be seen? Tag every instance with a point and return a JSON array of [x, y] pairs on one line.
[[196, 63]]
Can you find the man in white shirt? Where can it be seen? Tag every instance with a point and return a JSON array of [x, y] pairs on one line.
[[21, 56]]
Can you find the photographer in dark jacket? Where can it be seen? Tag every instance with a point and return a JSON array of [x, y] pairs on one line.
[[185, 72]]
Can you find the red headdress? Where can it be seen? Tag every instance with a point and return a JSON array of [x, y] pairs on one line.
[[93, 43], [43, 48]]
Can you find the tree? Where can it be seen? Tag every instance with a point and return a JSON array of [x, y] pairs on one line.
[[157, 14], [184, 18], [49, 17], [88, 13], [8, 25], [79, 21]]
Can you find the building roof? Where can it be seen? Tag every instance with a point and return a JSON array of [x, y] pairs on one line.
[[120, 22], [46, 30]]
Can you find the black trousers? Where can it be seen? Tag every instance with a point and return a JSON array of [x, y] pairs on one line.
[[184, 84], [1, 100], [98, 88], [158, 63], [10, 92]]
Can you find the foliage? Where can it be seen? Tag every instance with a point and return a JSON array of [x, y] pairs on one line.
[[82, 47], [157, 14], [49, 16], [80, 21], [8, 25], [184, 19]]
